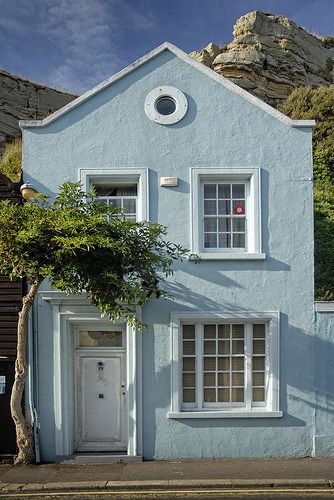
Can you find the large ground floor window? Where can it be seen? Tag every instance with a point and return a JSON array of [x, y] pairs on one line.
[[225, 364]]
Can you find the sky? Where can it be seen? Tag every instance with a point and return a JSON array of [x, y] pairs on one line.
[[75, 44]]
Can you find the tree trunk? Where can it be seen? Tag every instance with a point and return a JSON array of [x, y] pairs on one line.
[[24, 432]]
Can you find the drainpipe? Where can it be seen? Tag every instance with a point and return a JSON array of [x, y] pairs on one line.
[[33, 415]]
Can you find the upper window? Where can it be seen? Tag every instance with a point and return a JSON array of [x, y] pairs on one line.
[[226, 364], [122, 188], [226, 213], [123, 196], [166, 105]]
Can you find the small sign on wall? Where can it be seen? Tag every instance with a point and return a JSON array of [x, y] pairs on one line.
[[169, 181], [2, 384]]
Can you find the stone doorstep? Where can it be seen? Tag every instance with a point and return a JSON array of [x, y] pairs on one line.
[[169, 484]]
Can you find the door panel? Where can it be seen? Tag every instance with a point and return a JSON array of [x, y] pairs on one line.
[[100, 402]]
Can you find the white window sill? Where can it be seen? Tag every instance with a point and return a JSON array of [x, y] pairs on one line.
[[226, 414], [231, 256]]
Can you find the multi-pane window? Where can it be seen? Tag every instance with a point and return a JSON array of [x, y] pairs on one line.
[[123, 196], [224, 215], [224, 365]]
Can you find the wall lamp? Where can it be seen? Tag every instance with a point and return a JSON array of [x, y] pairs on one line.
[[28, 191]]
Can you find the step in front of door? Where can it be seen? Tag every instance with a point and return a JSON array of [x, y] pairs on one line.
[[99, 458]]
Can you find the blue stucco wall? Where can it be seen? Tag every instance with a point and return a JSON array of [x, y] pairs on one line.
[[221, 129], [324, 385]]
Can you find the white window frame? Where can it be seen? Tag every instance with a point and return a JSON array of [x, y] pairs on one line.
[[252, 178], [139, 176], [270, 408]]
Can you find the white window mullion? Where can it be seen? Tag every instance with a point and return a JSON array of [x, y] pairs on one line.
[[199, 364], [248, 365]]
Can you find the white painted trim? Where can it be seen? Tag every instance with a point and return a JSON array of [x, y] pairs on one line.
[[225, 414], [251, 175], [273, 350], [139, 175], [187, 59], [230, 256], [181, 105], [323, 306], [70, 312]]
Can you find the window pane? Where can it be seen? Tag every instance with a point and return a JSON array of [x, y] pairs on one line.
[[189, 380], [224, 191], [210, 347], [238, 240], [237, 346], [259, 331], [210, 225], [210, 207], [189, 347], [223, 363], [237, 331], [224, 347], [100, 338], [129, 205], [209, 364], [258, 346], [224, 225], [189, 396], [224, 240], [115, 202], [224, 379], [224, 207], [224, 331], [209, 331], [258, 378], [238, 207], [258, 363], [210, 395], [237, 378], [224, 395], [188, 364], [237, 363], [237, 395], [209, 379], [210, 240], [238, 191], [238, 224], [210, 191], [258, 394], [188, 331]]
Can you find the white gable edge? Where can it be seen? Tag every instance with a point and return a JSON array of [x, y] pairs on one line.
[[189, 60]]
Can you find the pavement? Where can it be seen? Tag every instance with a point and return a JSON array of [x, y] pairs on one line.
[[305, 473]]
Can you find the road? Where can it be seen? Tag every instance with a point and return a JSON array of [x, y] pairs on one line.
[[198, 494]]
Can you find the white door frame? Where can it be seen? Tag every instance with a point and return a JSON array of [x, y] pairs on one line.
[[70, 312]]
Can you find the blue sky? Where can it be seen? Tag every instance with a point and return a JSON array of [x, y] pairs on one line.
[[75, 44]]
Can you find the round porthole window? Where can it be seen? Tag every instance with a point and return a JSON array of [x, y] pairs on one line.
[[166, 105]]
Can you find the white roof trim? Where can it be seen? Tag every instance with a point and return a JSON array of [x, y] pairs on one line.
[[323, 306], [186, 58]]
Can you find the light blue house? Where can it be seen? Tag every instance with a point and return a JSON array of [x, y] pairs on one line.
[[234, 365]]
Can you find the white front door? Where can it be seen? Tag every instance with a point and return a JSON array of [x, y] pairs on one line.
[[100, 401]]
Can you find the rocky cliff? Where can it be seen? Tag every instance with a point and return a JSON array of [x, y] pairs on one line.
[[22, 99], [270, 55]]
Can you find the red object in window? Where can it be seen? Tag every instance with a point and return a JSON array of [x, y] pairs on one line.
[[239, 209]]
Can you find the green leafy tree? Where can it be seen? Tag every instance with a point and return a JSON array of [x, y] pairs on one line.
[[80, 245], [318, 103]]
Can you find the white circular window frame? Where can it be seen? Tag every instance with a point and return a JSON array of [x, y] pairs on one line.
[[181, 105]]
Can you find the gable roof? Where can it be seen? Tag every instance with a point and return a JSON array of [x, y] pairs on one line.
[[187, 59]]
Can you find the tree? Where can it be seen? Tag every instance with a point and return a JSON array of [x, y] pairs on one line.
[[80, 245], [318, 103]]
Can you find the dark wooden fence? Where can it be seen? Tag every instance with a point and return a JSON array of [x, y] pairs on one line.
[[10, 303]]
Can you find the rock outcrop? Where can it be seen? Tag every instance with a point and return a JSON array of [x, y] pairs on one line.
[[22, 99], [270, 55]]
